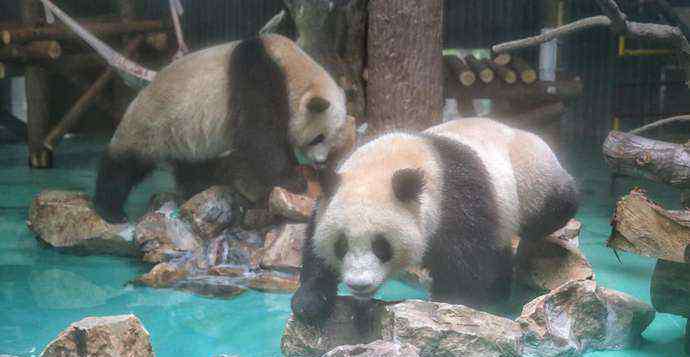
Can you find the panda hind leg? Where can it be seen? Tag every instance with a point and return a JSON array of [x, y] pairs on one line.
[[118, 173], [194, 177]]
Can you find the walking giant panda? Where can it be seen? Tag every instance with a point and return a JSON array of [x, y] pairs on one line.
[[448, 199], [262, 99]]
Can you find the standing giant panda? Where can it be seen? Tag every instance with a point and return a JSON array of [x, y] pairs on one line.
[[263, 99], [448, 199]]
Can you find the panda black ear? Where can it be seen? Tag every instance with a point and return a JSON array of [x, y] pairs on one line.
[[318, 104], [408, 184]]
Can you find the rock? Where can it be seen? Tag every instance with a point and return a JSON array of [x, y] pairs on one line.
[[670, 288], [439, 329], [161, 237], [227, 270], [67, 221], [274, 283], [210, 212], [228, 250], [159, 200], [417, 277], [294, 207], [256, 218], [300, 340], [162, 275], [579, 317], [283, 248], [214, 286], [121, 335], [378, 348], [543, 265]]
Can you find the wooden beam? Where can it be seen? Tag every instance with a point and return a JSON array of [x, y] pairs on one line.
[[98, 29], [527, 74], [460, 70], [480, 68], [643, 227], [71, 119], [37, 50]]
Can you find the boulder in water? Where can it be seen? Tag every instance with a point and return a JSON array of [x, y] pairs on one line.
[[122, 335], [378, 348], [210, 212]]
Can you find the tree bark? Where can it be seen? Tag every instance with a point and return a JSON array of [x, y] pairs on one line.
[[98, 29], [659, 161], [405, 79], [642, 227]]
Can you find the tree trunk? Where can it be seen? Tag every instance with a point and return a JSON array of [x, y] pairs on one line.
[[643, 227], [404, 59], [659, 161]]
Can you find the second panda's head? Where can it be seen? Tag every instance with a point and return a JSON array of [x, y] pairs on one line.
[[320, 125], [378, 217]]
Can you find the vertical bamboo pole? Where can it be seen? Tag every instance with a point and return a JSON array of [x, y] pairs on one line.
[[37, 97]]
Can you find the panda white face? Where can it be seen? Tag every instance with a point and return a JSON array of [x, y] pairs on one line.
[[365, 263]]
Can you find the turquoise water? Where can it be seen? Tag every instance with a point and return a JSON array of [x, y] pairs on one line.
[[42, 291]]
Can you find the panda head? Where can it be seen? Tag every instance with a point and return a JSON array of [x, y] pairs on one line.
[[319, 125], [370, 230]]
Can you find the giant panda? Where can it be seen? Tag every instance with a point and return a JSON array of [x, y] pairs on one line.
[[262, 99], [448, 199]]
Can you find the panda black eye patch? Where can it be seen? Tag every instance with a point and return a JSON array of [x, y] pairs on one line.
[[317, 140], [341, 247], [382, 249]]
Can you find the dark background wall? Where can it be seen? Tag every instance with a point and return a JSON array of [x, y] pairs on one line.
[[613, 85]]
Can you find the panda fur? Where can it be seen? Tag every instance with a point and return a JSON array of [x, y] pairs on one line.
[[449, 199], [258, 99]]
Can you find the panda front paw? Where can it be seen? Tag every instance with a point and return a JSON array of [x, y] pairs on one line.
[[310, 306]]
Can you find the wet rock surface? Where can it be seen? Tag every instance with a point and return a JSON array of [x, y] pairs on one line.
[[161, 237], [67, 221], [579, 317], [288, 205], [122, 335], [378, 348], [283, 248], [210, 212]]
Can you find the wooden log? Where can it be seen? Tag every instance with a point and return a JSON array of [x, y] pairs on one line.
[[670, 288], [506, 74], [38, 116], [460, 70], [503, 59], [98, 29], [71, 119], [405, 65], [654, 160], [527, 74], [5, 37], [37, 50], [480, 68], [528, 95], [158, 41], [645, 228]]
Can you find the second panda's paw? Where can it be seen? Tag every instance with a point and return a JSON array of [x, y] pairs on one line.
[[311, 307]]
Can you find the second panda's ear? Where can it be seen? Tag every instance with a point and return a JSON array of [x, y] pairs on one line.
[[318, 104], [408, 184]]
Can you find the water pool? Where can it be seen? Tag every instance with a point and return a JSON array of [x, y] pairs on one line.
[[41, 291]]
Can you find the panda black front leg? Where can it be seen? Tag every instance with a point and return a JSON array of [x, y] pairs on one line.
[[117, 175], [313, 302]]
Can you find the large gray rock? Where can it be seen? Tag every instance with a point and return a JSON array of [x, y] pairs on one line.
[[579, 317], [439, 329], [109, 336], [378, 348], [160, 237], [435, 329], [210, 212], [67, 221]]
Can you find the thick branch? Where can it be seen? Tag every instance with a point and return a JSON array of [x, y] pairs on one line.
[[576, 26], [654, 160]]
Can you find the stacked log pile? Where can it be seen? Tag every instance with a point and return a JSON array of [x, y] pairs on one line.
[[512, 84], [36, 49]]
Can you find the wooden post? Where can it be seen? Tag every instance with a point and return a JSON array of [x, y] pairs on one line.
[[37, 97], [405, 79]]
